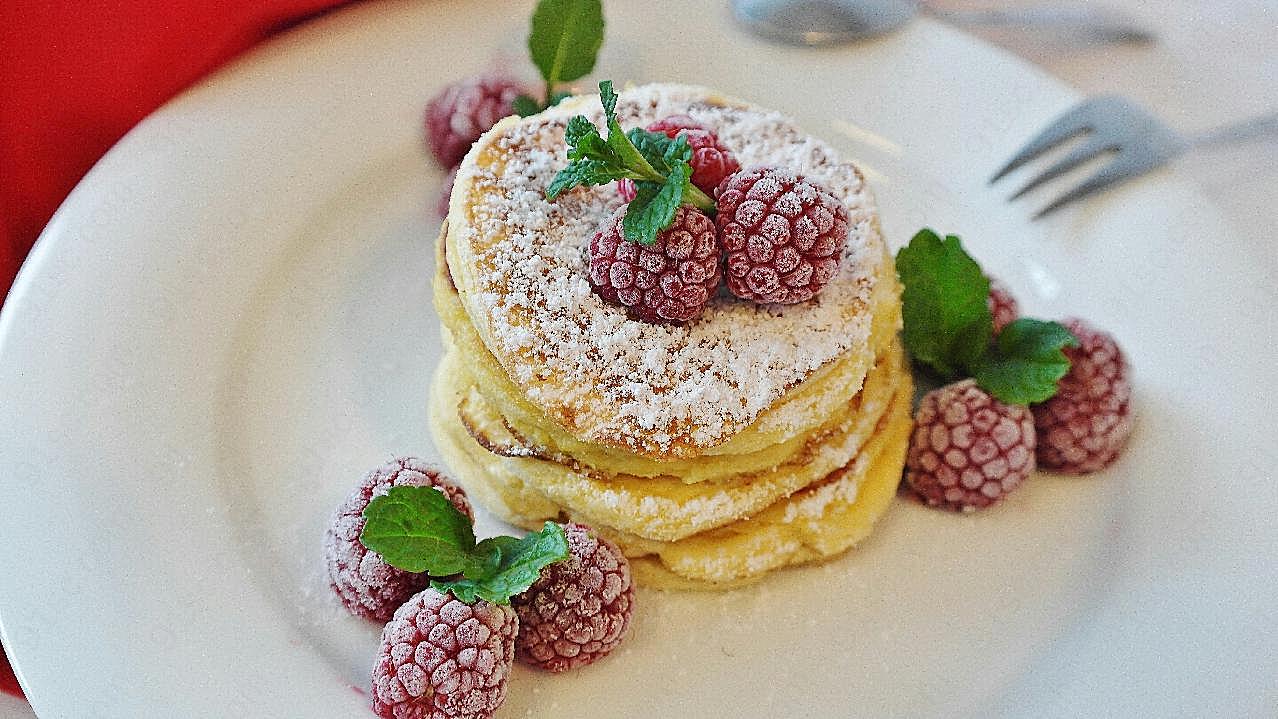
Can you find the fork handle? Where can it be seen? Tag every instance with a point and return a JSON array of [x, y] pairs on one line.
[[1104, 24], [1252, 129]]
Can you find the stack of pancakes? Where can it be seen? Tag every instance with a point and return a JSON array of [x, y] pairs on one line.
[[754, 438]]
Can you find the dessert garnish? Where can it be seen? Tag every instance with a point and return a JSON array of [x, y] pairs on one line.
[[442, 658], [579, 610], [1040, 394], [784, 235], [564, 38], [562, 596], [670, 280], [1003, 306], [968, 449], [365, 583], [949, 327], [466, 109], [417, 529], [1085, 425], [658, 165], [711, 161]]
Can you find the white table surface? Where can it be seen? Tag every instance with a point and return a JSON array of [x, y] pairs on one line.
[[1214, 61]]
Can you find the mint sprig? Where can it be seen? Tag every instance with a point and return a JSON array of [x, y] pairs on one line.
[[516, 564], [418, 530], [947, 321], [658, 165], [564, 38], [948, 325], [1025, 362]]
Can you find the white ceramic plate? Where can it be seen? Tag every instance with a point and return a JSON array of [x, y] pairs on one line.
[[229, 321]]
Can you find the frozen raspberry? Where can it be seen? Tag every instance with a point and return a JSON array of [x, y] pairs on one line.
[[711, 161], [1084, 427], [441, 658], [366, 584], [670, 280], [1002, 305], [968, 450], [466, 109], [577, 612], [784, 235]]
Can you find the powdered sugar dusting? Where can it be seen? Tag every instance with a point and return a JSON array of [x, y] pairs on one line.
[[610, 379]]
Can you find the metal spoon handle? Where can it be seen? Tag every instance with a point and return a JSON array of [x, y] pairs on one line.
[[1251, 129], [1106, 25]]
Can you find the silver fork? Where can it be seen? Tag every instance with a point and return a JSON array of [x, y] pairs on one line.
[[1138, 141]]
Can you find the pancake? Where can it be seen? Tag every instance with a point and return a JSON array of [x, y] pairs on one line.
[[518, 262], [780, 433], [754, 438], [823, 519]]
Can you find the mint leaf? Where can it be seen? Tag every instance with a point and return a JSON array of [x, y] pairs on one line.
[[558, 97], [1025, 362], [418, 530], [519, 564], [654, 206], [581, 173], [944, 303], [525, 105], [564, 39]]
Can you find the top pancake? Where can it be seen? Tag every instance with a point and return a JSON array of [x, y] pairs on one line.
[[519, 263]]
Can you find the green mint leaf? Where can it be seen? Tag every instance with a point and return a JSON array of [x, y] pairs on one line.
[[654, 206], [944, 304], [486, 557], [654, 146], [1025, 362], [418, 530], [519, 564], [584, 142], [565, 37], [525, 105], [609, 100], [583, 173], [558, 97]]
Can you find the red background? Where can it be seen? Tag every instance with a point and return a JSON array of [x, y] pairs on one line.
[[75, 75]]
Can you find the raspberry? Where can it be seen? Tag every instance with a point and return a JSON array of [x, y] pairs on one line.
[[711, 161], [1002, 305], [441, 658], [577, 612], [1084, 427], [670, 280], [464, 110], [968, 450], [784, 235], [366, 584]]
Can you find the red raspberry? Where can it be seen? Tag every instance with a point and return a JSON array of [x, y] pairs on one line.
[[466, 109], [784, 235], [577, 612], [670, 280], [1002, 305], [711, 161], [366, 584], [441, 658], [1084, 427], [968, 450]]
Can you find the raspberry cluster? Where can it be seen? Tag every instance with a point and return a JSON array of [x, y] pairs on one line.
[[780, 237], [444, 658], [970, 450]]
